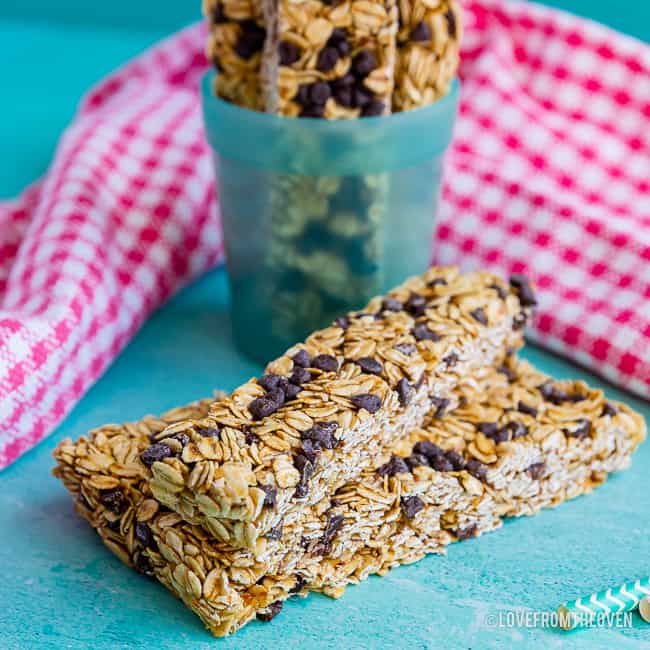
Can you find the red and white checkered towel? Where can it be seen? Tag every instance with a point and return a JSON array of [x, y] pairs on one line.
[[549, 175]]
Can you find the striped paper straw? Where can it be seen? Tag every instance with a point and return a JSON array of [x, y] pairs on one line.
[[620, 599]]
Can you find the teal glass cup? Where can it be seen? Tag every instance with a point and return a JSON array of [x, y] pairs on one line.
[[319, 216]]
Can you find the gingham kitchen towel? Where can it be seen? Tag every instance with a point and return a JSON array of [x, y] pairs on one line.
[[549, 175]]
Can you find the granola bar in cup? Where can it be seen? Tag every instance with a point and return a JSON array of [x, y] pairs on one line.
[[321, 215]]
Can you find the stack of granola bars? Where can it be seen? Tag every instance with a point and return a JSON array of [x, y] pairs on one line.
[[400, 428]]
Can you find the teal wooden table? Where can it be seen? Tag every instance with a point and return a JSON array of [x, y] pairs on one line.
[[61, 589]]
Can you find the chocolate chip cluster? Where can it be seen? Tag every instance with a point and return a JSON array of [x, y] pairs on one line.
[[348, 90]]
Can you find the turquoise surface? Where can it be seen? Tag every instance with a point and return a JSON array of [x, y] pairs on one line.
[[62, 589]]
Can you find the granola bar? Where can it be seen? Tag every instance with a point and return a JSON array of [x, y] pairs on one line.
[[329, 59], [235, 44], [428, 44], [326, 408], [438, 485]]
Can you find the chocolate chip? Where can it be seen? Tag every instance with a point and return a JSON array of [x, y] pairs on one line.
[[262, 407], [144, 535], [502, 435], [271, 382], [113, 500], [346, 81], [155, 453], [143, 565], [302, 490], [363, 63], [327, 58], [451, 22], [292, 392], [477, 469], [442, 464], [303, 465], [322, 433], [319, 93], [289, 52], [450, 360], [310, 450], [536, 470], [417, 460], [270, 612], [343, 322], [411, 506], [344, 97], [277, 395], [421, 32], [300, 583], [527, 409], [396, 465], [423, 333], [373, 109], [436, 282], [479, 315], [405, 392], [406, 348], [115, 525], [391, 304], [582, 430], [428, 449], [367, 401], [466, 533], [523, 289], [552, 393], [300, 376], [250, 437], [209, 432], [519, 321], [306, 468], [609, 409], [515, 430], [361, 96], [332, 527], [301, 359], [441, 404], [416, 305], [251, 39], [339, 40], [457, 461], [488, 429], [271, 493], [218, 15], [510, 374], [501, 292], [276, 531], [370, 366], [183, 438], [325, 362]]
